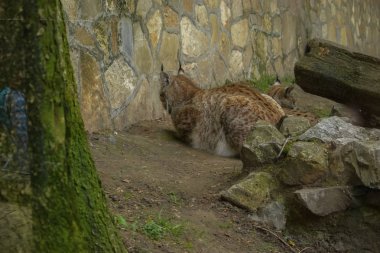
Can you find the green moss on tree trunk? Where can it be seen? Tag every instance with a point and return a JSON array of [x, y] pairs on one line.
[[69, 211]]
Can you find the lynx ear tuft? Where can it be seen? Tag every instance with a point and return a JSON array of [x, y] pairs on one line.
[[162, 67]]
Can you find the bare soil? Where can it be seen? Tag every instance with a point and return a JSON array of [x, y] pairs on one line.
[[150, 177]]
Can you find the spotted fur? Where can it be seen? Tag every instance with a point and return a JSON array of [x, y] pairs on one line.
[[282, 94], [219, 119]]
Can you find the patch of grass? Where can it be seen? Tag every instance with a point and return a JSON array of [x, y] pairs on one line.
[[160, 227], [121, 223], [175, 199], [322, 113], [225, 225], [266, 81]]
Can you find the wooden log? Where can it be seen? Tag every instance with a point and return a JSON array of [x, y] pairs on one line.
[[332, 71]]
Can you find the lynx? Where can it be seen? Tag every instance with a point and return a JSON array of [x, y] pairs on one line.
[[217, 120], [282, 94]]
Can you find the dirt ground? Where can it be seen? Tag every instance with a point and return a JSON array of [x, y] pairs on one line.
[[164, 195]]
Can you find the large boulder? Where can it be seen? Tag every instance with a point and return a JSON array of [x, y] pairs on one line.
[[262, 146], [324, 201], [339, 132], [364, 158], [253, 192], [258, 194], [305, 164]]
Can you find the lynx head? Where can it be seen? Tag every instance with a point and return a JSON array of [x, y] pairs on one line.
[[176, 89], [281, 93]]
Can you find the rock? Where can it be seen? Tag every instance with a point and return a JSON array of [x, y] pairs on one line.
[[333, 71], [169, 51], [201, 15], [224, 45], [373, 198], [352, 114], [239, 33], [143, 7], [237, 8], [236, 64], [364, 157], [84, 37], [294, 125], [126, 33], [253, 193], [171, 19], [306, 163], [121, 82], [102, 37], [154, 26], [142, 55], [262, 145], [214, 24], [94, 106], [324, 201], [272, 214], [339, 132], [194, 42], [71, 9], [225, 13], [90, 9]]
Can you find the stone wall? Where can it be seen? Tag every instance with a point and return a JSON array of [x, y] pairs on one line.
[[118, 46]]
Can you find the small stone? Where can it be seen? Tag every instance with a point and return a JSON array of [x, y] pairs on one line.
[[324, 201]]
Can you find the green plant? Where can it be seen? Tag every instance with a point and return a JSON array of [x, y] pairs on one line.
[[264, 83], [174, 198], [159, 227]]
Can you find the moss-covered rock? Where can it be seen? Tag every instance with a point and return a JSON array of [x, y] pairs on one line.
[[262, 146], [307, 163]]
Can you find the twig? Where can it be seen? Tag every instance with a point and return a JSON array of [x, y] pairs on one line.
[[304, 249], [279, 238], [283, 146]]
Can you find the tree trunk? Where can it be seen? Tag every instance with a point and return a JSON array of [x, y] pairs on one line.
[[334, 72], [58, 204]]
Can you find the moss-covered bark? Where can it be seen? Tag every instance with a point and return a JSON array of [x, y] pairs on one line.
[[66, 204]]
